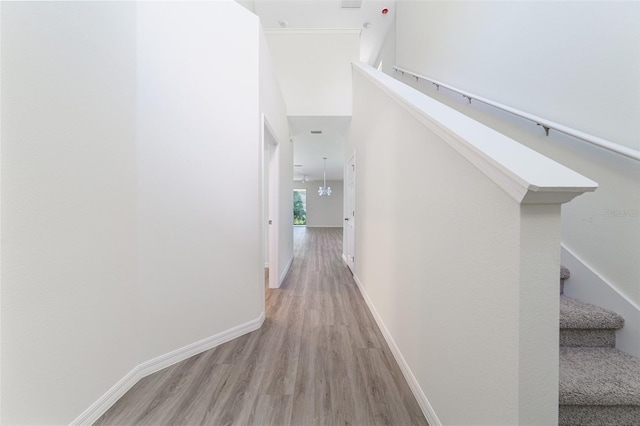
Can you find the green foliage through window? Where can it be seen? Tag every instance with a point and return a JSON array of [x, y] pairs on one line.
[[299, 207]]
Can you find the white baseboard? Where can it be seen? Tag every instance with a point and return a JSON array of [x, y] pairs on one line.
[[427, 410], [98, 408], [285, 270], [586, 284]]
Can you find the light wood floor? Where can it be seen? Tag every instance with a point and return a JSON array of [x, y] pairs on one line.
[[318, 359]]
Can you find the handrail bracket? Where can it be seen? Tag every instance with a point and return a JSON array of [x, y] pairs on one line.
[[546, 128], [593, 140]]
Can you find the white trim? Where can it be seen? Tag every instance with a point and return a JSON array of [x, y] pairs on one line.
[[526, 175], [286, 269], [98, 408], [426, 407], [344, 259], [600, 277]]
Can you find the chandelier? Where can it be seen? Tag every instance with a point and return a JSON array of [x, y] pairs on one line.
[[324, 190]]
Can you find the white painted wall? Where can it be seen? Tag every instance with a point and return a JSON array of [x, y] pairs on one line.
[[272, 104], [323, 212], [200, 262], [123, 236], [69, 291], [573, 63], [460, 275], [576, 63], [314, 69], [386, 59]]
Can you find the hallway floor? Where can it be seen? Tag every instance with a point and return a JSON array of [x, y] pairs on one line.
[[318, 359]]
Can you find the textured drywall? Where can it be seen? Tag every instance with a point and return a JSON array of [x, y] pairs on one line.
[[314, 69], [69, 295], [576, 63], [123, 235], [273, 106], [200, 261], [461, 275]]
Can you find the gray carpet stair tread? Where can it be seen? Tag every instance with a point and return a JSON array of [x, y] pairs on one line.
[[599, 376], [564, 273], [580, 315]]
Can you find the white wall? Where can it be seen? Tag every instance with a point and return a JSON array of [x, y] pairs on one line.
[[323, 212], [200, 261], [314, 69], [386, 59], [457, 264], [123, 238], [576, 63], [272, 104], [69, 291]]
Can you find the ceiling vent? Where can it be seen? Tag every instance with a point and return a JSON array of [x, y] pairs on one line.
[[350, 4], [316, 132]]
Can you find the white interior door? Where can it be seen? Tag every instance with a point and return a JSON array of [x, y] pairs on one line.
[[350, 214], [270, 202], [274, 223]]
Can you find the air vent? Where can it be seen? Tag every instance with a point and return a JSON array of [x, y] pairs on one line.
[[297, 165], [350, 4], [316, 132]]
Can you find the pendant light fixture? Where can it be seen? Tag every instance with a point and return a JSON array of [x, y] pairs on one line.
[[324, 190]]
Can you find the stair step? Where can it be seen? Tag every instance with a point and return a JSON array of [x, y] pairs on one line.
[[586, 325], [577, 314], [601, 415], [599, 386], [599, 376], [564, 275]]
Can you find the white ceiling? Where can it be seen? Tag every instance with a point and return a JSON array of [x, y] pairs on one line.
[[309, 149], [326, 14]]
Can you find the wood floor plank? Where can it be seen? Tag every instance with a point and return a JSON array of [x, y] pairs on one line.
[[318, 359], [348, 398], [272, 410]]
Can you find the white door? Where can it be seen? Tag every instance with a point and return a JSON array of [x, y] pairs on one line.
[[270, 167], [350, 215]]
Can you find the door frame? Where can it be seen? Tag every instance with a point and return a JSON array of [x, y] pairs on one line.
[[349, 240], [270, 149]]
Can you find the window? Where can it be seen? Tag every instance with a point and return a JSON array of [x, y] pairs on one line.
[[300, 207]]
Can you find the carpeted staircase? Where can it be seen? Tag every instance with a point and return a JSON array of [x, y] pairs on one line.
[[599, 385]]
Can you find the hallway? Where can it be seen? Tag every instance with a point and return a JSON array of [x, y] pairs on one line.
[[318, 359]]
